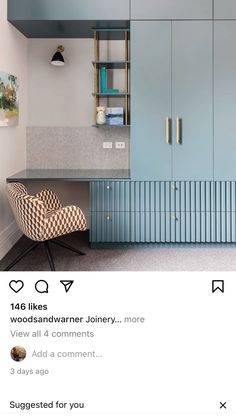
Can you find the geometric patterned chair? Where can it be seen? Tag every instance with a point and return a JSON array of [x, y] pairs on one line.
[[42, 219]]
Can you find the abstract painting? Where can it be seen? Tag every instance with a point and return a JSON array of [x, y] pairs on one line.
[[9, 105]]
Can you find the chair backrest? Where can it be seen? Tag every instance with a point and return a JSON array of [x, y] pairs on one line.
[[29, 211]]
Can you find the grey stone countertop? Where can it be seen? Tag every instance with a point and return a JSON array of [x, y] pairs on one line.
[[69, 175]]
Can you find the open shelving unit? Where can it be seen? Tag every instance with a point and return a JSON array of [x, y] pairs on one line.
[[122, 96]]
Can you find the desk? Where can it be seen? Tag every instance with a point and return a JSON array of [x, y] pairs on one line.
[[72, 175], [126, 211], [109, 184]]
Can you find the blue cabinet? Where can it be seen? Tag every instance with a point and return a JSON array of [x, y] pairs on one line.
[[151, 156], [68, 10], [171, 100], [110, 227], [172, 9], [192, 93], [225, 100], [110, 196], [110, 211], [224, 9], [163, 212], [67, 19]]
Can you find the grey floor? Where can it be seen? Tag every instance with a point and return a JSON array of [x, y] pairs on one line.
[[160, 258]]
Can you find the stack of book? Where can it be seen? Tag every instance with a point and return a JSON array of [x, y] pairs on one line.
[[115, 116]]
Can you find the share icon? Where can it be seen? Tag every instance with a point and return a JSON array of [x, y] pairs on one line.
[[67, 285]]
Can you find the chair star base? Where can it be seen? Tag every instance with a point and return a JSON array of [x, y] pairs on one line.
[[47, 251]]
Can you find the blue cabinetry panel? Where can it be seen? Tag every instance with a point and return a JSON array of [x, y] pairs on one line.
[[161, 196], [68, 10], [151, 156], [163, 212], [172, 9], [194, 196], [180, 88], [110, 196], [225, 9], [225, 196], [150, 227], [110, 227], [192, 92], [225, 103]]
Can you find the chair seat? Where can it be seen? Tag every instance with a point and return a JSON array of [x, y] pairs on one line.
[[41, 217]]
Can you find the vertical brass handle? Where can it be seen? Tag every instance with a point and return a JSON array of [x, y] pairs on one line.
[[178, 131], [168, 131]]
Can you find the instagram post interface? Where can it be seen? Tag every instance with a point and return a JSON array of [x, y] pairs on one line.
[[117, 209], [102, 345]]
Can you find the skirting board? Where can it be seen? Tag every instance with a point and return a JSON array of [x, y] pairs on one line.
[[8, 237], [117, 245]]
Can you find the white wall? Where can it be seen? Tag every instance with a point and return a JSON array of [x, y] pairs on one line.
[[62, 96], [13, 59]]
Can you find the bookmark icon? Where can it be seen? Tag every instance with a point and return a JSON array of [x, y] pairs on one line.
[[218, 286], [67, 285]]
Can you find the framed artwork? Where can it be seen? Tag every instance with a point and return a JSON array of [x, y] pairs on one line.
[[9, 104]]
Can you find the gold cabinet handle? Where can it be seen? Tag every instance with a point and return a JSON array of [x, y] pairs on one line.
[[168, 131], [178, 131]]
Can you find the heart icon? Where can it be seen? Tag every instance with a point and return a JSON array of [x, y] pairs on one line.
[[16, 286]]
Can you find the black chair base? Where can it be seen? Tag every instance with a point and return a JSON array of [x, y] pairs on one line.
[[47, 251]]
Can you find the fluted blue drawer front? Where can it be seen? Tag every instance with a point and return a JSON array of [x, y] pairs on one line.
[[110, 196], [158, 196], [225, 196], [163, 212], [194, 196], [132, 227], [163, 227], [150, 227], [111, 227], [172, 196]]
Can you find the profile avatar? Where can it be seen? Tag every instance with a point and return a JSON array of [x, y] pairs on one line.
[[18, 353]]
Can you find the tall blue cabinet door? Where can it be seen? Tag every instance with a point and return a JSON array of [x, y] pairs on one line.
[[150, 100], [225, 9], [225, 101], [172, 9], [192, 84]]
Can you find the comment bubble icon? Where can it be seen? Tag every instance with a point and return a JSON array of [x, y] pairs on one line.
[[41, 287]]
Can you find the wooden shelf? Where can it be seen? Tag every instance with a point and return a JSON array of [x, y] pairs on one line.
[[111, 30], [111, 64], [110, 126], [111, 94], [123, 63], [109, 34]]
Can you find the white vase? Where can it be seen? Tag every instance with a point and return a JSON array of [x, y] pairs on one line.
[[101, 115]]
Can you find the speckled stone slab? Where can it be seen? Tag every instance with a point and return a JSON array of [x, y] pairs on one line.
[[76, 148]]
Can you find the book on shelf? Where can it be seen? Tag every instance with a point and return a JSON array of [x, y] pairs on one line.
[[103, 79], [103, 82], [115, 116]]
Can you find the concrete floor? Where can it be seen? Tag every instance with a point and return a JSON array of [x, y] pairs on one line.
[[158, 258]]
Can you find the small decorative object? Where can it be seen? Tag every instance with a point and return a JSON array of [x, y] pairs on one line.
[[9, 105], [115, 116], [58, 59], [101, 115]]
